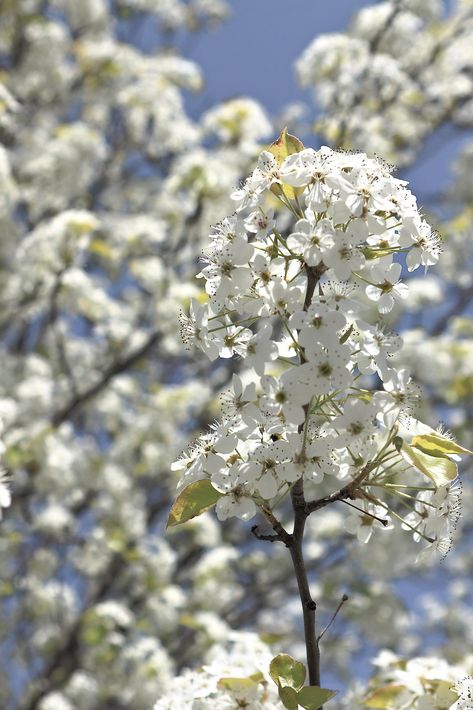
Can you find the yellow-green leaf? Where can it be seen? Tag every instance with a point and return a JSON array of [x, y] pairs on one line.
[[288, 697], [445, 693], [436, 444], [312, 697], [383, 698], [236, 685], [195, 499], [286, 671], [284, 146], [440, 469]]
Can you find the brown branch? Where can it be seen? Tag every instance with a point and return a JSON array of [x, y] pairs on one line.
[[349, 491], [272, 537], [64, 661], [309, 606], [280, 533], [115, 369]]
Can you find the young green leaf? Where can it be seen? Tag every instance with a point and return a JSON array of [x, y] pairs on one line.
[[236, 685], [383, 698], [312, 697], [287, 672], [440, 469], [195, 499], [288, 697], [285, 145], [438, 445]]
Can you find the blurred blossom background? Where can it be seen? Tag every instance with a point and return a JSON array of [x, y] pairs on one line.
[[125, 125]]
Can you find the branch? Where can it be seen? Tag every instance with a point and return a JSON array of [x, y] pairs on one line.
[[280, 533], [309, 606], [268, 538], [65, 658], [348, 491], [342, 602], [115, 369]]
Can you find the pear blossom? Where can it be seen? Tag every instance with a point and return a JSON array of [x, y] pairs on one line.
[[386, 287], [288, 313], [260, 349], [312, 240]]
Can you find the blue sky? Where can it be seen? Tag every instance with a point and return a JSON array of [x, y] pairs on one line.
[[253, 54]]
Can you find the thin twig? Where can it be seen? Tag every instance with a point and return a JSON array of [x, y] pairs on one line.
[[342, 602], [383, 521]]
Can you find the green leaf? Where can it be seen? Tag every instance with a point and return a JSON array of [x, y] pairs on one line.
[[444, 692], [440, 469], [312, 697], [384, 697], [195, 499], [437, 445], [286, 671], [288, 697], [236, 685], [285, 145]]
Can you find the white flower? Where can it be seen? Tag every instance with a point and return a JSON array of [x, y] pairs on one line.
[[226, 273], [263, 469], [206, 456], [425, 244], [285, 396], [261, 349], [318, 325], [235, 504], [230, 230], [365, 194], [399, 395], [284, 298], [356, 422], [386, 287], [310, 462], [326, 371], [260, 223], [311, 240], [195, 329], [375, 347], [343, 258], [241, 401]]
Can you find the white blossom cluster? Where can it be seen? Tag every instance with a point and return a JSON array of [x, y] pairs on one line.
[[243, 657], [104, 202], [383, 92], [292, 298]]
